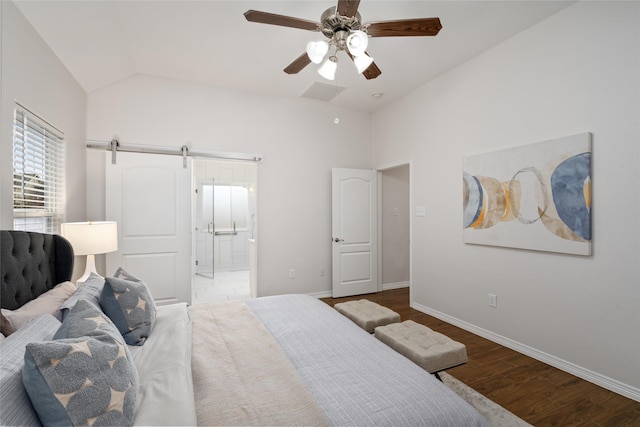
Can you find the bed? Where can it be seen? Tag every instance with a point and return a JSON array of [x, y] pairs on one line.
[[279, 360]]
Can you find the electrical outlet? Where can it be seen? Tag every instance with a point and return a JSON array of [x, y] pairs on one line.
[[292, 273], [322, 271], [493, 300]]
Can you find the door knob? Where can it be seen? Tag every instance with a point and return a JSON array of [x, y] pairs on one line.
[[338, 240]]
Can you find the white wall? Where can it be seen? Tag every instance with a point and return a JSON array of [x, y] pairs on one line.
[[33, 76], [395, 218], [577, 71], [298, 139]]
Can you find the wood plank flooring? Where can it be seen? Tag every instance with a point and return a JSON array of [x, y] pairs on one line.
[[534, 391]]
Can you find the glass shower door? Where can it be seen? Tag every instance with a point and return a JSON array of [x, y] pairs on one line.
[[205, 249], [231, 234]]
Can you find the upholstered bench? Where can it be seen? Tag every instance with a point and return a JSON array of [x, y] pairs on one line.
[[429, 349], [366, 314]]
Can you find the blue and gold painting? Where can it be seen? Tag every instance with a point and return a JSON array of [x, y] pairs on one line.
[[536, 196]]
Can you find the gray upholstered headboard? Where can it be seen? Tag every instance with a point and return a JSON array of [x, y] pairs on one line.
[[31, 264]]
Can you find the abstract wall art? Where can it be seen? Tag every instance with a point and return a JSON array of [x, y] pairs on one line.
[[535, 196]]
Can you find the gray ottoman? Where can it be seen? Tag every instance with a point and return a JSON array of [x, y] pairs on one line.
[[429, 349], [366, 314]]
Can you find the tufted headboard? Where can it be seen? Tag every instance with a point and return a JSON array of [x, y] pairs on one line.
[[31, 264]]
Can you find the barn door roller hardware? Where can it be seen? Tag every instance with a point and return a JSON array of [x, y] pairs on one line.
[[114, 146]]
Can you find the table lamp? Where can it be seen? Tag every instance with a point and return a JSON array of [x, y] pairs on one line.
[[91, 238]]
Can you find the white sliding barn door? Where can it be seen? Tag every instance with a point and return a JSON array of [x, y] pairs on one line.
[[354, 227], [150, 198]]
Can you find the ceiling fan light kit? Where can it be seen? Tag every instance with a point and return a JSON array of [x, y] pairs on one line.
[[342, 25], [329, 68], [317, 50], [362, 62], [357, 42]]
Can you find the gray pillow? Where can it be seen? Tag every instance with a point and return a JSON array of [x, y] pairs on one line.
[[85, 376], [129, 304], [122, 274], [89, 290], [85, 319], [16, 406]]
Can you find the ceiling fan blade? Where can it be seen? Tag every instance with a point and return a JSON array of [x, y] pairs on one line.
[[298, 64], [348, 8], [405, 27], [372, 72], [284, 21]]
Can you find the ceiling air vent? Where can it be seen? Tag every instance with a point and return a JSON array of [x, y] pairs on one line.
[[322, 91]]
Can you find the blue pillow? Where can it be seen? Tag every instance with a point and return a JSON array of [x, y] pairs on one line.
[[128, 303], [85, 376], [122, 274], [85, 319], [89, 290]]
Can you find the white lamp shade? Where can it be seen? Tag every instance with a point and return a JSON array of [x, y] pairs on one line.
[[357, 42], [362, 62], [91, 238], [317, 50], [328, 69]]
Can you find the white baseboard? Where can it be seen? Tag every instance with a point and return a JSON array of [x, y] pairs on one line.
[[385, 287], [323, 294], [397, 285], [586, 374]]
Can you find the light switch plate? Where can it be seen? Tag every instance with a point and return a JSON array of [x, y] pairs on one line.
[[421, 211]]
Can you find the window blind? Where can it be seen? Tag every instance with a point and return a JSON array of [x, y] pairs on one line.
[[38, 173]]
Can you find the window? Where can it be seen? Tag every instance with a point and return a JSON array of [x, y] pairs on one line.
[[38, 173]]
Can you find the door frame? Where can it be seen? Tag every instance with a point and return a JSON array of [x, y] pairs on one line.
[[253, 256], [380, 170]]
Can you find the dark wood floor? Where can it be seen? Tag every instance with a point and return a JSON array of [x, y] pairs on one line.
[[536, 392]]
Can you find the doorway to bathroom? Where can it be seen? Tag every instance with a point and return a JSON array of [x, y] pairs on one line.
[[224, 230]]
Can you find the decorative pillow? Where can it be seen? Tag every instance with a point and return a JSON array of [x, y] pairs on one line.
[[129, 304], [122, 274], [16, 406], [88, 290], [86, 376], [85, 319], [47, 303]]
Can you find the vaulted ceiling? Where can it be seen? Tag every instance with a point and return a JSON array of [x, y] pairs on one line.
[[211, 43]]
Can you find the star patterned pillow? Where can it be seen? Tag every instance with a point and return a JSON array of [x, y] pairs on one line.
[[128, 303], [86, 376]]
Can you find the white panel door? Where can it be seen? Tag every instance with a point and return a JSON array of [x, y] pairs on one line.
[[149, 196], [354, 228]]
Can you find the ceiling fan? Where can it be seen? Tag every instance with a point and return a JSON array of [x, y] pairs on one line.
[[343, 26]]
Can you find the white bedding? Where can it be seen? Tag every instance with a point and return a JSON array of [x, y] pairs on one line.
[[284, 360], [165, 394]]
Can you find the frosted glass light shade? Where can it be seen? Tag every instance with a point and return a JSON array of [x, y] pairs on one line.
[[328, 69], [317, 50], [362, 62], [357, 42]]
